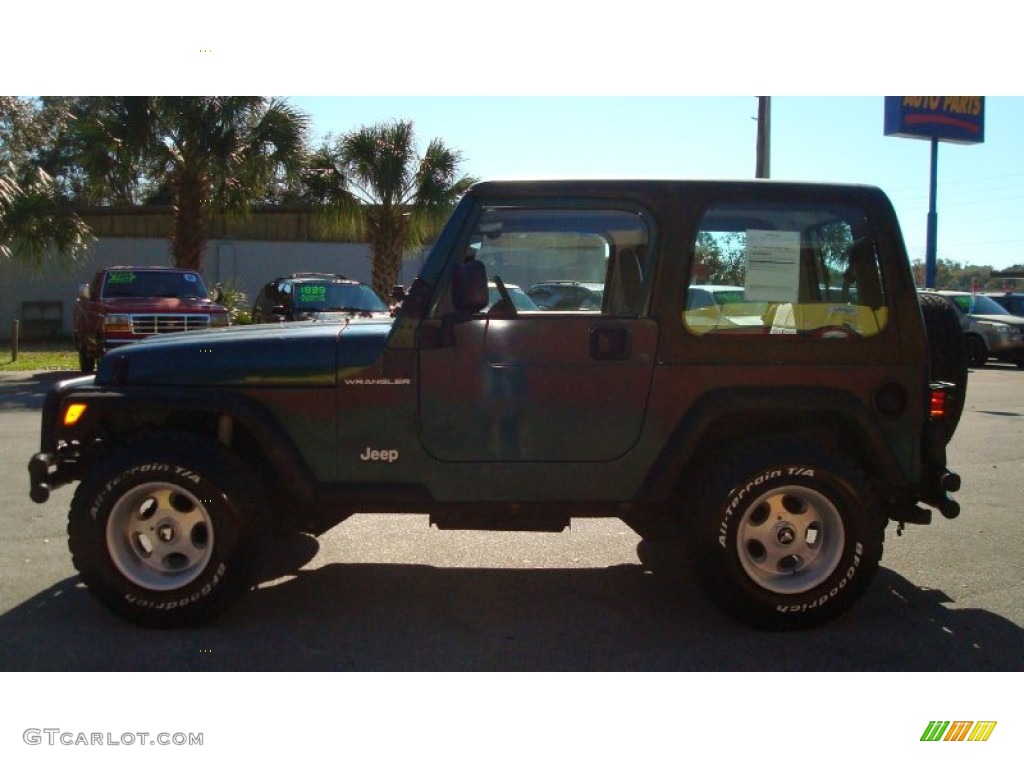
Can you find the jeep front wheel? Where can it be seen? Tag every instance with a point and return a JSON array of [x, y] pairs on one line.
[[162, 532], [789, 536]]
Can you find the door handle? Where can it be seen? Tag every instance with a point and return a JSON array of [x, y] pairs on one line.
[[609, 343]]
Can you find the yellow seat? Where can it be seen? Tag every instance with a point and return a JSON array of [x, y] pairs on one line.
[[797, 318]]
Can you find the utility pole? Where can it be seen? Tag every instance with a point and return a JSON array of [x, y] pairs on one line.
[[764, 119], [932, 234]]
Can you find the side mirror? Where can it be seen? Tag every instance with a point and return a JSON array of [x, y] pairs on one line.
[[216, 294], [469, 286], [83, 291]]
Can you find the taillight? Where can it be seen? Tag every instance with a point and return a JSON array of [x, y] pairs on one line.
[[938, 404]]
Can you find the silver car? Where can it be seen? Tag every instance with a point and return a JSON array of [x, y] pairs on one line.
[[992, 332]]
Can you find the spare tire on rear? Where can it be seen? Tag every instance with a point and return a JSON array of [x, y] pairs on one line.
[[948, 352]]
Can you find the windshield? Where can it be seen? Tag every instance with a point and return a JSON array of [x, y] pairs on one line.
[[128, 283], [326, 296], [978, 305]]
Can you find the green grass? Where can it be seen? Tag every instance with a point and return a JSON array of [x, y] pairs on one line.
[[56, 356]]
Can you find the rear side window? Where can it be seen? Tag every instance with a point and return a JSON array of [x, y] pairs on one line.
[[785, 270]]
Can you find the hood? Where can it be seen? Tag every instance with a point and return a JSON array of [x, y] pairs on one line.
[[335, 316], [1006, 319], [291, 354], [150, 304]]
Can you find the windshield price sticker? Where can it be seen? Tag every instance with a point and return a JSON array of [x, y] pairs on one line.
[[121, 278], [772, 266], [309, 294]]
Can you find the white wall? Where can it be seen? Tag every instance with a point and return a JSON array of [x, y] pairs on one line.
[[246, 263]]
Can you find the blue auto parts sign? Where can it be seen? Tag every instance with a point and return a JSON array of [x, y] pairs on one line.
[[959, 119]]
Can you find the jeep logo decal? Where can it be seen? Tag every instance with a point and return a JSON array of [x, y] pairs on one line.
[[372, 454]]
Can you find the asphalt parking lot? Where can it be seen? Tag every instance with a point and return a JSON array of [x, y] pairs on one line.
[[389, 593]]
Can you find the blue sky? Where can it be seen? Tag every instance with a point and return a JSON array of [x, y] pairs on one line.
[[980, 187]]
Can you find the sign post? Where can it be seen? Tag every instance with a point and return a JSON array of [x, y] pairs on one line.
[[957, 119]]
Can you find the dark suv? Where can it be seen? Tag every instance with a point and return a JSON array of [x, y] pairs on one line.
[[315, 296], [779, 438], [1011, 302]]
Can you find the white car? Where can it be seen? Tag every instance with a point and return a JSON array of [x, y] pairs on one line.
[[522, 302]]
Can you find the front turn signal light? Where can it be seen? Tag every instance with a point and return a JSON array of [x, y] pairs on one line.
[[73, 414], [117, 324]]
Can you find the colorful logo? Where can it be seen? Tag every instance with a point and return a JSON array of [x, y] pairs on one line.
[[959, 730]]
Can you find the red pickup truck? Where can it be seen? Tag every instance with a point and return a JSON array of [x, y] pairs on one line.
[[125, 304]]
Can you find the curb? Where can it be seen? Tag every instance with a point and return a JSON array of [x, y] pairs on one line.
[[42, 376]]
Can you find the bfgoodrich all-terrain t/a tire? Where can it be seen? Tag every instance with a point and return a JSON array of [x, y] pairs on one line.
[[788, 535], [163, 531]]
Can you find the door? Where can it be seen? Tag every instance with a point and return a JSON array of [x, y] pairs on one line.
[[562, 376]]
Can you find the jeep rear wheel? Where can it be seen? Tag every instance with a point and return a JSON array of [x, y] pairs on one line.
[[163, 531], [788, 535]]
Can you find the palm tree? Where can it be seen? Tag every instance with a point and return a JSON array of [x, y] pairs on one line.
[[101, 155], [211, 154], [36, 220], [402, 199]]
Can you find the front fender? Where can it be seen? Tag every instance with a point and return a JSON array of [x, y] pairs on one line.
[[64, 446]]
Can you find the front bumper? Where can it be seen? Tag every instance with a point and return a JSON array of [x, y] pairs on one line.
[[55, 464], [1005, 346]]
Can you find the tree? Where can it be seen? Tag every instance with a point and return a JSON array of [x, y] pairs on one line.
[[952, 275], [398, 199], [100, 158], [206, 153], [36, 219], [719, 258]]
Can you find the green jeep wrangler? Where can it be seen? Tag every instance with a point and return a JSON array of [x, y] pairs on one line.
[[776, 425]]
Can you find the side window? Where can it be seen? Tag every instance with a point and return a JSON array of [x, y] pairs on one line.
[[785, 270], [565, 260]]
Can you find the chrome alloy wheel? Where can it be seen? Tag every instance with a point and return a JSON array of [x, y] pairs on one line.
[[790, 539], [159, 536]]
